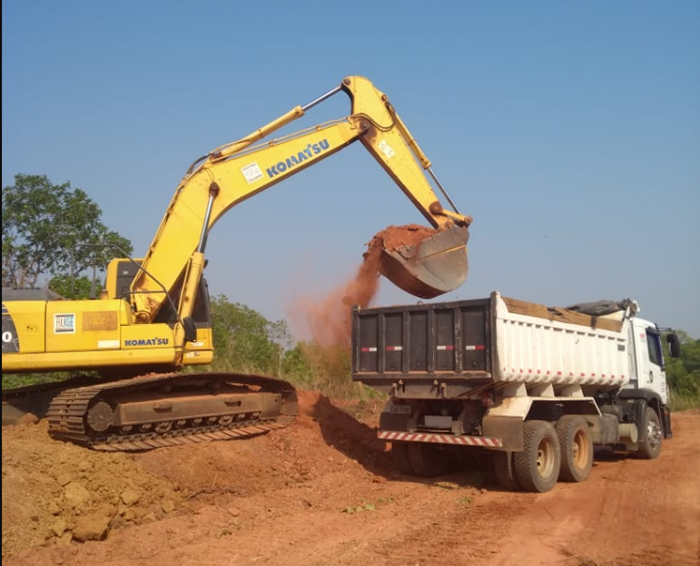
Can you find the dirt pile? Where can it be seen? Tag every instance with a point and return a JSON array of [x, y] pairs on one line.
[[320, 492], [265, 463], [56, 494], [395, 237], [53, 492]]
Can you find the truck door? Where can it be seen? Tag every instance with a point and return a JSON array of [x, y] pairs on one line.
[[650, 360]]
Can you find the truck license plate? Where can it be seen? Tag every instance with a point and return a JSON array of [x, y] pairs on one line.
[[400, 410]]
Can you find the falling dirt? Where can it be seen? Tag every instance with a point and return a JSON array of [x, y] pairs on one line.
[[322, 492], [329, 320]]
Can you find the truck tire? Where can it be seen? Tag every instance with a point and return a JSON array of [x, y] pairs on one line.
[[537, 466], [650, 447], [576, 448], [427, 460], [399, 457], [504, 471]]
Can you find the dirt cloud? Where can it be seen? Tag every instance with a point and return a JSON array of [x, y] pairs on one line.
[[330, 319]]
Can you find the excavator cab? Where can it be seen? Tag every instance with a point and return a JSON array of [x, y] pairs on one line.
[[423, 262]]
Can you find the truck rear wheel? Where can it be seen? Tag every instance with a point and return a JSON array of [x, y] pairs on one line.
[[428, 460], [650, 447], [504, 471], [537, 466], [421, 459], [576, 448], [399, 457]]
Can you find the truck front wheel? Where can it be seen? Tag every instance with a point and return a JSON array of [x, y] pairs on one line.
[[576, 448], [537, 466], [650, 447]]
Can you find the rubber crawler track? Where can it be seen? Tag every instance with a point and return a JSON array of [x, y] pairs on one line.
[[68, 410]]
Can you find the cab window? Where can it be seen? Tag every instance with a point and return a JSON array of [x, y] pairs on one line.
[[654, 345]]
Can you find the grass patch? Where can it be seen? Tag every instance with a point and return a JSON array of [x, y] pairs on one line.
[[14, 381], [679, 403], [366, 505]]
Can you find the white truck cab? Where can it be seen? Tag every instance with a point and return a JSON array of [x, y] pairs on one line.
[[647, 360]]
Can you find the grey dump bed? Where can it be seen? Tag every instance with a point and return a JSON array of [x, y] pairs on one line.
[[418, 344]]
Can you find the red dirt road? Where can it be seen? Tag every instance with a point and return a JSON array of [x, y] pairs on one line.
[[321, 492]]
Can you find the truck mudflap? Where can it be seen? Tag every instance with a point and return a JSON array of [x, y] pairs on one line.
[[157, 411], [666, 421], [448, 439]]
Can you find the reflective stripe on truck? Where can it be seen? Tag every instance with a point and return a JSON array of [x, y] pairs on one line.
[[440, 438]]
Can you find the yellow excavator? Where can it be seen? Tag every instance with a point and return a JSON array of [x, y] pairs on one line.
[[153, 317]]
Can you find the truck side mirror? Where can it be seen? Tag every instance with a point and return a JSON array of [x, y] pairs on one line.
[[674, 345]]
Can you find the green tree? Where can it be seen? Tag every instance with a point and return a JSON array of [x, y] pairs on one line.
[[683, 374], [244, 340], [81, 287], [51, 230], [323, 368], [282, 339]]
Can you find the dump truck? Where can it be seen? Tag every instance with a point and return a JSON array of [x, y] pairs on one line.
[[535, 387]]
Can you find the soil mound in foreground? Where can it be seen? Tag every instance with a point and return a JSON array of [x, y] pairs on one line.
[[54, 492], [57, 494]]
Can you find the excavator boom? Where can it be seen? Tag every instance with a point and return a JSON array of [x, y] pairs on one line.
[[237, 171]]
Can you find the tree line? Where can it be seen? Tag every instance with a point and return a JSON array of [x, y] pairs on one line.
[[56, 232]]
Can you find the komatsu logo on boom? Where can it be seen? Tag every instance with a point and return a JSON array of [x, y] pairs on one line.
[[298, 158]]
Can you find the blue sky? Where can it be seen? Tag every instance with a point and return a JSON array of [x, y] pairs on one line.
[[570, 131]]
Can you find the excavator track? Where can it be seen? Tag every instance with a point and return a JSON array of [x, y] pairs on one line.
[[34, 400], [158, 411]]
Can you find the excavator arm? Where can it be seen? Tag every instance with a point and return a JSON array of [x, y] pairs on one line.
[[232, 173]]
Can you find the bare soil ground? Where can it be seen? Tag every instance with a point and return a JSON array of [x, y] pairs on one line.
[[322, 492]]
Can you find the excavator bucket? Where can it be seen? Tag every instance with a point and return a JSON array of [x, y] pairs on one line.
[[422, 261]]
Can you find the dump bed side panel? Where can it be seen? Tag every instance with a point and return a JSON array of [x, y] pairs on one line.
[[536, 344]]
